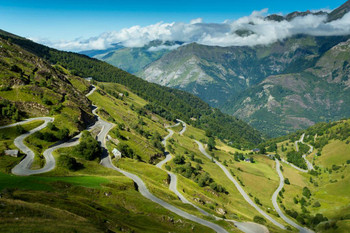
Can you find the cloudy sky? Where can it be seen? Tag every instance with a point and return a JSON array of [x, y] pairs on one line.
[[84, 25]]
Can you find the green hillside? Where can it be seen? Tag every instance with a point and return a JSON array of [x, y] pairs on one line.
[[168, 102], [327, 185]]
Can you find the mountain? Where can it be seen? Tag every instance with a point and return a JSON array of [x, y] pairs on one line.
[[217, 74], [339, 12], [239, 80], [133, 60], [80, 193], [282, 103], [31, 87], [213, 180], [169, 103], [94, 52]]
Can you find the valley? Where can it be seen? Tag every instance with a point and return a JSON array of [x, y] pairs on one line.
[[192, 137], [277, 87]]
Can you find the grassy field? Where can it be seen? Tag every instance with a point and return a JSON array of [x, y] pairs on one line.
[[329, 188]]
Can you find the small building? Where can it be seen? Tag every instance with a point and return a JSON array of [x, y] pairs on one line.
[[117, 154], [257, 150], [271, 156], [121, 95], [88, 79], [247, 160], [13, 153]]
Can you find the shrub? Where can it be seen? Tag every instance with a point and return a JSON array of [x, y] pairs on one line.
[[69, 162], [306, 192], [20, 129], [286, 181], [126, 150], [257, 201], [259, 220], [63, 134], [179, 159], [316, 204], [88, 148], [167, 167], [51, 126]]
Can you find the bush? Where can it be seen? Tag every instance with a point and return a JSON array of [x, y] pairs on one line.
[[286, 181], [316, 204], [51, 126], [126, 150], [88, 147], [20, 129], [69, 162], [63, 134], [259, 220], [306, 192], [179, 159], [218, 188], [257, 201]]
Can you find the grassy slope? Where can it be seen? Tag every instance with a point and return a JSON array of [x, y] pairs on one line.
[[330, 188], [155, 179], [233, 203], [81, 196]]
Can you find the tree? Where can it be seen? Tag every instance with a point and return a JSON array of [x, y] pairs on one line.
[[20, 129], [63, 134], [306, 192], [179, 159], [125, 150], [88, 148], [286, 181], [211, 144], [259, 220], [68, 162], [262, 150], [257, 201]]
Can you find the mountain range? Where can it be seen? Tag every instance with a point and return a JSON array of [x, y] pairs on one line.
[[253, 83], [112, 152]]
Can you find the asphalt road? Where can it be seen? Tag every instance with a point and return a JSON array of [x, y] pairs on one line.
[[247, 227], [277, 208], [184, 125], [240, 189], [106, 162], [23, 168], [308, 163]]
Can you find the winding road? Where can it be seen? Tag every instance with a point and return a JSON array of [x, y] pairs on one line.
[[247, 227], [308, 163], [184, 127], [240, 189], [173, 177], [277, 208], [23, 168], [107, 162]]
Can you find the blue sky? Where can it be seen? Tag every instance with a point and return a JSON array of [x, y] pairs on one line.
[[67, 20]]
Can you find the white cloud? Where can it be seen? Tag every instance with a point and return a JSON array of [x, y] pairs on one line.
[[198, 20], [219, 34], [161, 47]]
